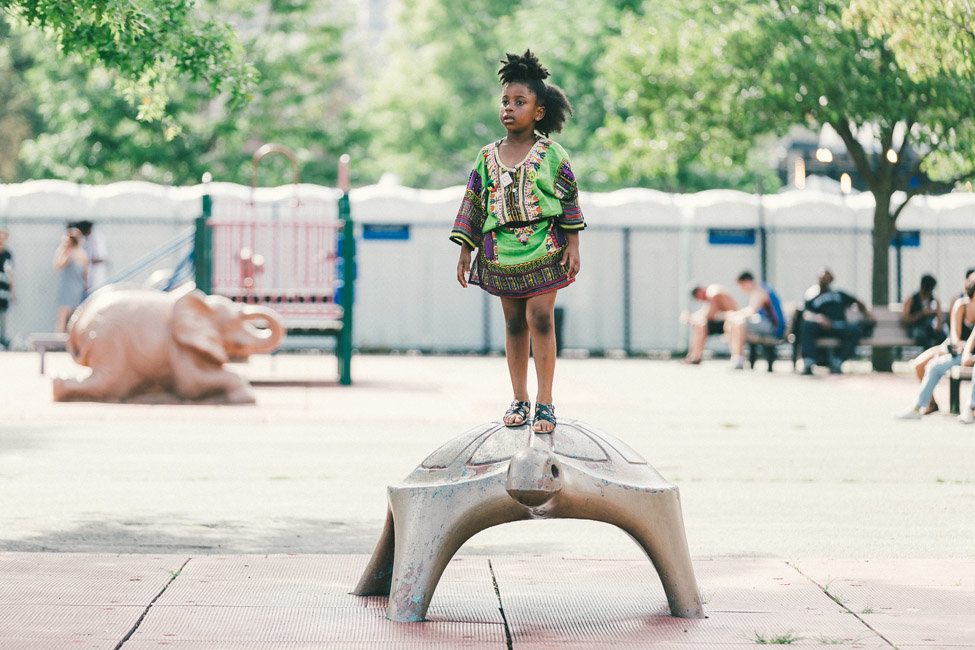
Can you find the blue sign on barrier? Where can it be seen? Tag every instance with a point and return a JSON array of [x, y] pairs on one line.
[[731, 236], [395, 231], [908, 239]]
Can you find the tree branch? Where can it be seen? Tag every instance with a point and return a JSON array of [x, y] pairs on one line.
[[932, 187], [855, 149]]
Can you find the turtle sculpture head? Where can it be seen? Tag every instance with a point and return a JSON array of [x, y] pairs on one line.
[[534, 477]]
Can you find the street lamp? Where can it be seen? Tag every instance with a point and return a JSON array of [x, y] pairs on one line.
[[846, 183], [800, 173], [824, 155]]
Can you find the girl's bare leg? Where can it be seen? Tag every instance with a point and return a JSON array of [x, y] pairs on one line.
[[541, 323], [516, 349]]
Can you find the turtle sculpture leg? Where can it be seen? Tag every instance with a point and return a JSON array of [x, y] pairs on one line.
[[376, 578], [654, 521], [425, 526], [649, 513]]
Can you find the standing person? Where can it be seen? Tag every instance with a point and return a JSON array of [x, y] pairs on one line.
[[762, 315], [709, 319], [94, 245], [521, 212], [922, 316], [824, 314], [7, 292], [72, 262]]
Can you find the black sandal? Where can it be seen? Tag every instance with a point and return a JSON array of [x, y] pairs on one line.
[[544, 412], [520, 409]]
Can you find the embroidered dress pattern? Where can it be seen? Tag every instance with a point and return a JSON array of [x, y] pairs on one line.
[[516, 218]]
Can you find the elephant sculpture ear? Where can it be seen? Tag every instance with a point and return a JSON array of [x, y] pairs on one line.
[[193, 327]]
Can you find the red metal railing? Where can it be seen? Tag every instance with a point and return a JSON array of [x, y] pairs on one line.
[[281, 254]]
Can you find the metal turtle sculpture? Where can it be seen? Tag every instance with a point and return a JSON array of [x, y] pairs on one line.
[[494, 474]]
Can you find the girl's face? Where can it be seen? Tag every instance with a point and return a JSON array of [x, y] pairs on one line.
[[519, 108]]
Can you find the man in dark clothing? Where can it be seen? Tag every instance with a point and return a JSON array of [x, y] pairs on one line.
[[824, 314], [7, 294]]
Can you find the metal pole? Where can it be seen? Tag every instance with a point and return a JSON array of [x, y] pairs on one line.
[[486, 325], [762, 234], [348, 275], [899, 267], [202, 248], [627, 292]]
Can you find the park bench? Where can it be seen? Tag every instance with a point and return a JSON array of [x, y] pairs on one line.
[[45, 342], [887, 333], [955, 377]]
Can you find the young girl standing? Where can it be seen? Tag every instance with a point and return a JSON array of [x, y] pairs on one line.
[[521, 213]]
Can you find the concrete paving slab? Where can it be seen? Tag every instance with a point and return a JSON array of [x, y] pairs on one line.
[[910, 603], [41, 626], [371, 644], [555, 601], [228, 626], [466, 591], [306, 599], [89, 580]]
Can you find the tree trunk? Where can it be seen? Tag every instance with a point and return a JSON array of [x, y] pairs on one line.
[[883, 232]]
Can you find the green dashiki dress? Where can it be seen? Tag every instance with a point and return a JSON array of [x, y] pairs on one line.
[[516, 218]]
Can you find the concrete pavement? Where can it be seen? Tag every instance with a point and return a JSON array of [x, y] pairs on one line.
[[804, 481]]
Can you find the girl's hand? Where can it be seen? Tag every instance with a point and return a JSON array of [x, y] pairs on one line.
[[571, 259], [464, 265]]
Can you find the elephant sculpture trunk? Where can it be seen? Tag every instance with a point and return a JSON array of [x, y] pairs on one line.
[[262, 330]]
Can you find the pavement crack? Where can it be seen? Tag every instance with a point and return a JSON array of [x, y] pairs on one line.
[[151, 603], [504, 618], [825, 590]]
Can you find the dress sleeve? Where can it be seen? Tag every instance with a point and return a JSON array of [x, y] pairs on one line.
[[469, 222], [567, 192]]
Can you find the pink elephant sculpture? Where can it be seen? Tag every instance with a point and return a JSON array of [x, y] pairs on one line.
[[143, 342]]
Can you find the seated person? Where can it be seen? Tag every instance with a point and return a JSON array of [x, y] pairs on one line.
[[824, 314], [967, 415], [762, 315], [922, 316], [932, 364], [961, 321], [709, 319]]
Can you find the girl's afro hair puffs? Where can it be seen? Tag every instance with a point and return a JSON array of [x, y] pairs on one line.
[[527, 69]]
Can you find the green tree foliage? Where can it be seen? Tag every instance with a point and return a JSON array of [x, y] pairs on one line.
[[673, 122], [90, 134], [709, 78], [434, 102], [145, 43], [16, 102], [927, 36]]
